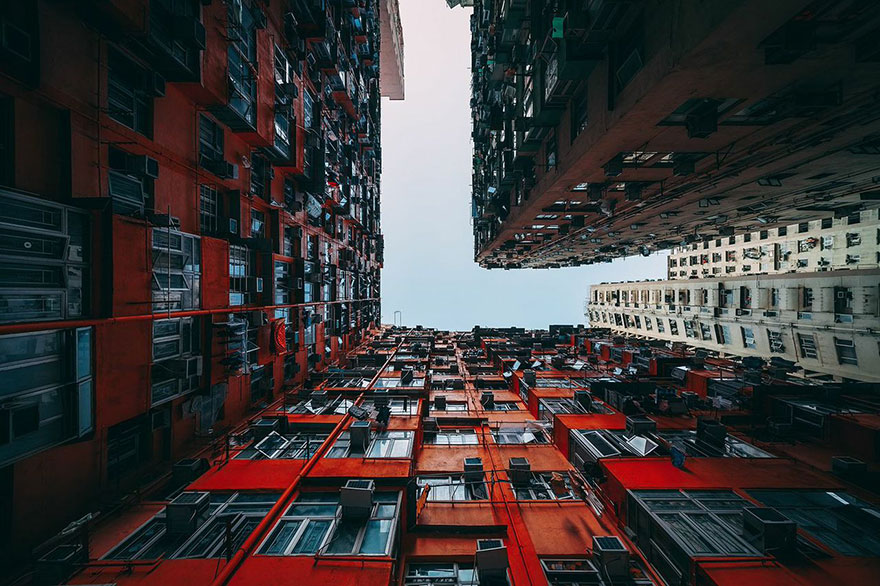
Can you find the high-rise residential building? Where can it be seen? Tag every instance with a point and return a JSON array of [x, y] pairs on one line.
[[604, 129], [807, 293], [189, 210], [391, 81], [511, 457]]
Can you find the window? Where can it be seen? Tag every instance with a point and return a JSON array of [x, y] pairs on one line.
[[660, 327], [261, 173], [504, 406], [748, 336], [209, 208], [582, 572], [239, 275], [579, 114], [314, 524], [275, 446], [176, 283], [44, 260], [129, 102], [837, 519], [520, 436], [239, 512], [807, 343], [673, 327], [258, 223], [242, 62], [544, 486], [776, 344], [177, 358], [47, 390], [846, 351], [673, 526], [445, 573], [550, 160], [453, 488], [383, 444], [210, 141], [722, 334], [283, 102], [806, 298], [452, 406], [452, 437]]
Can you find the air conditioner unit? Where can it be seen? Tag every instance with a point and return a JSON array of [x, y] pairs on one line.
[[473, 469], [189, 30], [59, 563], [487, 400], [429, 426], [711, 432], [519, 470], [187, 367], [359, 434], [187, 512], [611, 556], [491, 559], [406, 376], [260, 429], [530, 377], [142, 166], [702, 120], [640, 425], [154, 84], [160, 419], [848, 466], [186, 470], [356, 498], [440, 403], [585, 400], [318, 398], [769, 530]]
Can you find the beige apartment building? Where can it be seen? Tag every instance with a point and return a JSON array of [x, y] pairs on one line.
[[827, 322], [848, 242]]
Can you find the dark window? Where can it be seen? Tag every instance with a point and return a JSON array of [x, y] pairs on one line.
[[210, 140], [177, 358], [242, 60], [176, 270], [128, 99], [579, 114], [47, 390], [44, 260], [209, 208], [261, 171], [551, 152]]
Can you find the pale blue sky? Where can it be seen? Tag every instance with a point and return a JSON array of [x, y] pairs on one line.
[[429, 273]]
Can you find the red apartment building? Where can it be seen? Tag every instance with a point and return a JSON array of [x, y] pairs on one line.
[[189, 218], [514, 457]]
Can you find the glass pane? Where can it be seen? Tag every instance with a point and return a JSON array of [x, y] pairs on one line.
[[277, 544], [312, 510], [376, 537], [84, 406], [83, 353], [344, 537], [312, 537]]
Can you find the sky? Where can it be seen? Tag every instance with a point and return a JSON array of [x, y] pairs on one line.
[[429, 273]]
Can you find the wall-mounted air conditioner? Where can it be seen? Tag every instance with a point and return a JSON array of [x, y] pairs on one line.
[[187, 512], [611, 556], [356, 498]]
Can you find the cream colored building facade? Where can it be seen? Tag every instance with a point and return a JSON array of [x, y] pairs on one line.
[[825, 321], [830, 244]]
